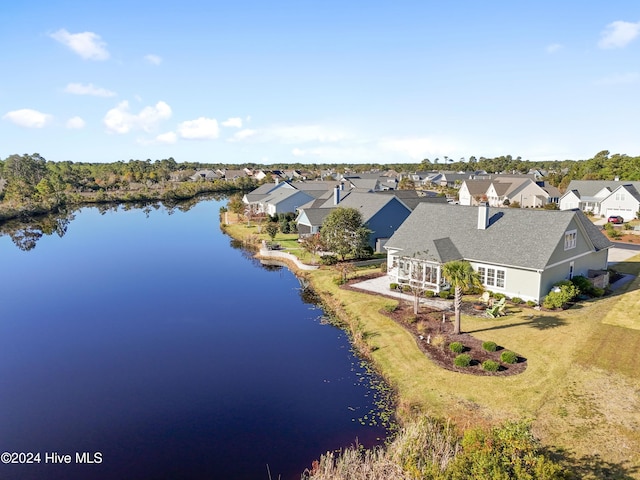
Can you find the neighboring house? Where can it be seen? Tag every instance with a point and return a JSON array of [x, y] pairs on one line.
[[500, 246], [624, 201], [204, 175], [497, 190], [283, 200], [589, 196], [382, 214]]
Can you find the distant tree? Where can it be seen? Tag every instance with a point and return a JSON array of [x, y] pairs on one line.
[[236, 205], [407, 184], [313, 244], [460, 275], [343, 232]]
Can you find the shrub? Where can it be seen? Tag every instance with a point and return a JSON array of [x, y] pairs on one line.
[[627, 226], [411, 319], [516, 300], [562, 293], [490, 365], [597, 291], [406, 288], [383, 267], [456, 347], [428, 293], [498, 296], [444, 294], [462, 360], [393, 286], [531, 303], [328, 260], [390, 307], [490, 346], [438, 341], [508, 357]]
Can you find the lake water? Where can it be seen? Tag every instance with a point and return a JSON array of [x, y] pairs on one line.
[[143, 340]]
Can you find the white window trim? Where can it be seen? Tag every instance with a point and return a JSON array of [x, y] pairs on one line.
[[495, 276], [570, 239]]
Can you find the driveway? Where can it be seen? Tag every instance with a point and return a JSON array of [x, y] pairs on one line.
[[621, 252]]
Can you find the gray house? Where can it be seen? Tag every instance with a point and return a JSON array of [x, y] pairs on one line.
[[382, 214], [517, 252]]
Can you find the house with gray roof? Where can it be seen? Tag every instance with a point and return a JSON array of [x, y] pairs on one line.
[[603, 197], [499, 244], [382, 214]]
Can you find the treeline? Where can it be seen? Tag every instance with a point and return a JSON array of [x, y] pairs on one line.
[[29, 184], [603, 166]]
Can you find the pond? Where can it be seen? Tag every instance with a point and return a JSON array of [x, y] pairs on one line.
[[142, 343]]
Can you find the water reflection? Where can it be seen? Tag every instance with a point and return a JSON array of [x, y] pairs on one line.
[[26, 231]]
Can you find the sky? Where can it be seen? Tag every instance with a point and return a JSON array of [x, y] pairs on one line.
[[318, 81]]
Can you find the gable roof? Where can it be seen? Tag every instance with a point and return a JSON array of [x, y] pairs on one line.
[[436, 232], [368, 204], [589, 188]]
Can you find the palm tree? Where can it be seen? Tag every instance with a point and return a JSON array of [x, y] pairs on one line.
[[459, 274]]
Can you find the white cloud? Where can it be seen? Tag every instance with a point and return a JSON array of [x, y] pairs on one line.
[[75, 123], [419, 148], [89, 89], [242, 135], [553, 48], [169, 138], [86, 44], [153, 59], [28, 118], [233, 122], [618, 34], [121, 120], [200, 129], [620, 79], [298, 152]]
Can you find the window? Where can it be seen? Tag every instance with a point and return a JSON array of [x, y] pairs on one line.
[[492, 277], [620, 197], [570, 238]]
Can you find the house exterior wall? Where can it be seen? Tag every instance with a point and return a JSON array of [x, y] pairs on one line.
[[622, 203], [464, 196], [519, 282], [530, 196], [569, 201], [384, 223], [581, 266]]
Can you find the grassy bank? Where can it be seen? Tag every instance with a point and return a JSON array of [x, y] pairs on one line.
[[581, 388]]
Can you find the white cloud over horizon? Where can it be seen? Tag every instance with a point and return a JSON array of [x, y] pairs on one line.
[[243, 135], [618, 34], [121, 120], [153, 59], [28, 118], [88, 45], [167, 138], [75, 123], [199, 129], [235, 122], [88, 89]]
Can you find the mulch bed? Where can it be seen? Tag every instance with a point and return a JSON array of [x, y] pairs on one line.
[[428, 325]]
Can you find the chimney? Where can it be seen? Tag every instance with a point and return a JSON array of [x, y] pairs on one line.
[[341, 186], [277, 180], [336, 195], [483, 216]]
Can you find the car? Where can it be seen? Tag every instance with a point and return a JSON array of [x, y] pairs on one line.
[[615, 219]]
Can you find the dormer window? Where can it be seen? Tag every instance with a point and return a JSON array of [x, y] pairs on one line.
[[570, 238]]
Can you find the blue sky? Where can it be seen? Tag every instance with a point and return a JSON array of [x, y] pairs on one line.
[[318, 81]]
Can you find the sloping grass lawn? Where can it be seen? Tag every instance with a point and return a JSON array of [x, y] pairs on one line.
[[581, 387]]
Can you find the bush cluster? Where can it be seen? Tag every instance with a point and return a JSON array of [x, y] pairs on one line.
[[490, 346], [428, 293], [444, 294], [490, 365], [393, 286], [462, 360], [508, 357], [562, 293], [456, 347], [516, 300], [328, 260]]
